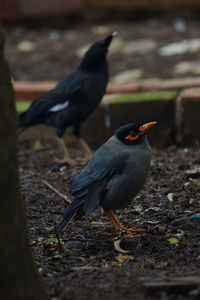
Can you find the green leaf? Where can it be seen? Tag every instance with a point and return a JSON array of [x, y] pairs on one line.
[[193, 201], [22, 105], [57, 256], [173, 241], [170, 197], [54, 240], [37, 145]]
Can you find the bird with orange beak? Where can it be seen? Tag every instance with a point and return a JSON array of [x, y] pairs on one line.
[[113, 177]]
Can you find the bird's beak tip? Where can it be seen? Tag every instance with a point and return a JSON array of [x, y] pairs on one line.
[[145, 127], [114, 33]]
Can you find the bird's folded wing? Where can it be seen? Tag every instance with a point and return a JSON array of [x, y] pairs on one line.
[[53, 102], [100, 167], [90, 185], [94, 195]]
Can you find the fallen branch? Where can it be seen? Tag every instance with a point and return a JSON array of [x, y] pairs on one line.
[[56, 191]]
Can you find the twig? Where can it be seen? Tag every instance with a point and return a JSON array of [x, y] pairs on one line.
[[30, 151], [58, 238], [56, 191]]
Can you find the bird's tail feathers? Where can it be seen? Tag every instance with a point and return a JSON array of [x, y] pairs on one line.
[[73, 210]]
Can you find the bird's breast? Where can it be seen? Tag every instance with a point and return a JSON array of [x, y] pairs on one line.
[[124, 187]]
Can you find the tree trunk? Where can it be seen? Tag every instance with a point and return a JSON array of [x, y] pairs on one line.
[[19, 279]]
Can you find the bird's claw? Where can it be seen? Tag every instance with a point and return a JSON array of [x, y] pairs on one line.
[[68, 161], [132, 232], [132, 235]]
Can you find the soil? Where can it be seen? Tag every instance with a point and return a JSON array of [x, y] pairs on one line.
[[54, 50], [88, 266]]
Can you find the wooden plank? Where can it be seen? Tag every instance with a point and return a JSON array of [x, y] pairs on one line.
[[170, 285], [28, 91]]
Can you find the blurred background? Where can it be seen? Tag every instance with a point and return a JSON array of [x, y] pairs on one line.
[[154, 64], [155, 56], [158, 38]]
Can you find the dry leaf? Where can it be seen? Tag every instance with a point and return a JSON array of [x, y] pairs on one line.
[[113, 264], [118, 247], [124, 258]]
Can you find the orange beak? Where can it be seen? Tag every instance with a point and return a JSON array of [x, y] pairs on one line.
[[145, 127]]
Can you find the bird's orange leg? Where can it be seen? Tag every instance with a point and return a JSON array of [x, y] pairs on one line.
[[84, 147], [116, 223], [64, 149]]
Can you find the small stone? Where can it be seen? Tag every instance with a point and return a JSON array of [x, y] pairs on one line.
[[184, 46], [185, 67], [140, 46], [25, 46], [128, 76], [101, 30]]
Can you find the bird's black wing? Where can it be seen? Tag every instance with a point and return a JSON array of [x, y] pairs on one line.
[[104, 164], [41, 108], [89, 186], [67, 92]]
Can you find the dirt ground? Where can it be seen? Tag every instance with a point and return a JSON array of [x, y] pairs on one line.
[[52, 53], [90, 267], [167, 208]]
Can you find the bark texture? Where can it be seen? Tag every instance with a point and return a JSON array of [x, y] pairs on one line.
[[19, 278]]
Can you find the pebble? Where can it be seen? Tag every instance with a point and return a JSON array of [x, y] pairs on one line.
[[143, 46], [127, 76], [184, 46], [26, 46]]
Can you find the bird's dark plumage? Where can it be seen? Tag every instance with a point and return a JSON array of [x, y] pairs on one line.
[[114, 175], [76, 96]]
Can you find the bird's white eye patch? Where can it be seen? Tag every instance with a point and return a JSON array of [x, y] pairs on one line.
[[58, 107]]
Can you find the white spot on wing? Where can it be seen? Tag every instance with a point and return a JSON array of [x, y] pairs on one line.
[[58, 107]]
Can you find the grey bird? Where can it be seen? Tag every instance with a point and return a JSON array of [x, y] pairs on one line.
[[113, 177], [74, 98]]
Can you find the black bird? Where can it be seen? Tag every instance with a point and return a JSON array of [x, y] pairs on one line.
[[114, 175], [74, 98]]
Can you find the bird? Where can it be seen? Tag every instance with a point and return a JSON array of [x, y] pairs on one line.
[[74, 98], [113, 177]]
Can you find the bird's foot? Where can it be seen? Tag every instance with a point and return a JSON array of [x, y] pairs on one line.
[[132, 232], [68, 161]]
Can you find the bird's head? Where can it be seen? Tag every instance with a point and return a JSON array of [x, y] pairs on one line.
[[97, 52], [133, 133]]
